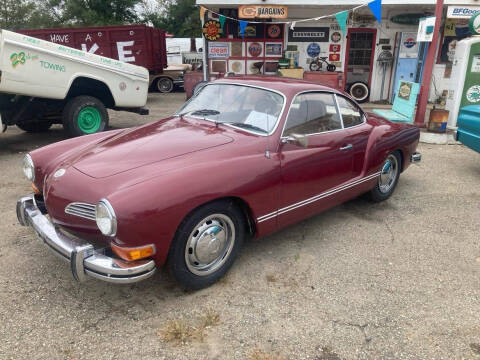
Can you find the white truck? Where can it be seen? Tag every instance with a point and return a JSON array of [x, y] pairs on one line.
[[43, 83]]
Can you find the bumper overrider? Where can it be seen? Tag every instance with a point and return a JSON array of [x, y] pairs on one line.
[[84, 259]]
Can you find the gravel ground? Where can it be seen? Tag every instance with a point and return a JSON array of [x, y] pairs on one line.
[[396, 280]]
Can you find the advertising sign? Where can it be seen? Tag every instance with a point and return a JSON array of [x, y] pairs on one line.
[[211, 30], [426, 27], [262, 11], [462, 12], [313, 49], [309, 34], [218, 50]]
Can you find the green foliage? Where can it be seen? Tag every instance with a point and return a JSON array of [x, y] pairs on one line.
[[178, 17], [13, 13], [23, 14]]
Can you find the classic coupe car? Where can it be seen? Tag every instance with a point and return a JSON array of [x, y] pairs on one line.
[[244, 157]]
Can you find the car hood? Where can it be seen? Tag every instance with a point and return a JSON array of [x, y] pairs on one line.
[[146, 145]]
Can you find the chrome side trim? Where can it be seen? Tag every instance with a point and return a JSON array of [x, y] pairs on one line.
[[83, 210], [316, 198], [85, 61]]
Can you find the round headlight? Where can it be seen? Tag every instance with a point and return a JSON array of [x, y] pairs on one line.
[[105, 218], [29, 168]]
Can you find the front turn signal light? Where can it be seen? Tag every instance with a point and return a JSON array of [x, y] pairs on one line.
[[133, 253]]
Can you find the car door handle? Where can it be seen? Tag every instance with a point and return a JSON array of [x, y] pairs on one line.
[[346, 147]]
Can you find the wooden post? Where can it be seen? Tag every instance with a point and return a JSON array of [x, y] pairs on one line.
[[428, 68]]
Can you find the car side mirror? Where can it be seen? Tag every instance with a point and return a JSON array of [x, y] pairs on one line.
[[296, 139]]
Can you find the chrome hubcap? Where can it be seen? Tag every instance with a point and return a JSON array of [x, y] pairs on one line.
[[210, 244], [388, 175]]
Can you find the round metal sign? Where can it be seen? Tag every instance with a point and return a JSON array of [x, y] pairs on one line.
[[211, 30], [474, 24], [255, 49], [313, 49], [409, 43]]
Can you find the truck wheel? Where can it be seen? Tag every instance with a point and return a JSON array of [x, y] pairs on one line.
[[35, 126], [84, 115], [164, 85]]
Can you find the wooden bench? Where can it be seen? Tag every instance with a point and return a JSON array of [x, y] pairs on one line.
[[404, 104]]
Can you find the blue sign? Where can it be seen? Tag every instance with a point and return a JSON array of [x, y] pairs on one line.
[[313, 49]]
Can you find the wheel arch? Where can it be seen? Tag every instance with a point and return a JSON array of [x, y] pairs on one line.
[[84, 85], [242, 204]]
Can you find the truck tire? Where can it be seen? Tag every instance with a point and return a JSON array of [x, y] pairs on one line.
[[35, 126], [164, 85], [84, 115]]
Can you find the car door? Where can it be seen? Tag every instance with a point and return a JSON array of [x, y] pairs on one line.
[[310, 172], [358, 132]]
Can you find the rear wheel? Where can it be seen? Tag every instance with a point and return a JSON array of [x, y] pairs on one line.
[[206, 244], [331, 67], [35, 126], [388, 179], [359, 91], [84, 115], [164, 85]]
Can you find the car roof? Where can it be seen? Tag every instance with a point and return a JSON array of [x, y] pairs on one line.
[[277, 83]]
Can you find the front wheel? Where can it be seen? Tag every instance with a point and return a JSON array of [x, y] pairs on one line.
[[84, 115], [164, 85], [206, 244], [388, 179], [314, 66]]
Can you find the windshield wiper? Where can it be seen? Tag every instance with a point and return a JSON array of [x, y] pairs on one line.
[[205, 112], [246, 126]]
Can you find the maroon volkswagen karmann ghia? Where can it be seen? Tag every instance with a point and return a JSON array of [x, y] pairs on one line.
[[245, 156]]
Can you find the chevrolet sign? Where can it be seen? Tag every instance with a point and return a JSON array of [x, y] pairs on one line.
[[462, 12], [262, 11]]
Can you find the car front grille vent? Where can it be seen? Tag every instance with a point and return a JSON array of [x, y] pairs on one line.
[[83, 210]]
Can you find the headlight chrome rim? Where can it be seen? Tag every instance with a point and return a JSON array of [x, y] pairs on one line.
[[111, 217], [28, 165]]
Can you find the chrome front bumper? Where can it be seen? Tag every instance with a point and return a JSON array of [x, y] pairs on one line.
[[416, 158], [84, 259]]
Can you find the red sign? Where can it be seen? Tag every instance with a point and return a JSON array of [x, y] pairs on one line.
[[273, 31], [335, 48], [211, 30], [255, 49], [334, 57]]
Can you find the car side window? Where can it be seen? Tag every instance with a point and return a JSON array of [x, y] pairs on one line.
[[351, 114], [312, 113]]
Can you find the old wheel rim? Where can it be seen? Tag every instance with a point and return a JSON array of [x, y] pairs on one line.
[[165, 85], [210, 244], [89, 120], [388, 175], [314, 66]]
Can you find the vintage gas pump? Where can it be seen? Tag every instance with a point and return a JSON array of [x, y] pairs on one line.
[[465, 79]]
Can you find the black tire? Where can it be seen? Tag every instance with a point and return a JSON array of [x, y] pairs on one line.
[[198, 86], [331, 67], [377, 194], [181, 261], [164, 85], [314, 66], [35, 126], [74, 107], [359, 91]]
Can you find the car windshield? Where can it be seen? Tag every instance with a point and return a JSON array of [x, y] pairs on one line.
[[250, 108]]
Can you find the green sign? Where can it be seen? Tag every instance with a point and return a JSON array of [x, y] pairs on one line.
[[407, 19], [471, 88], [474, 24]]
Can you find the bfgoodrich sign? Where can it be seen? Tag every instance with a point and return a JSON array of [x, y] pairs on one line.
[[462, 12]]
